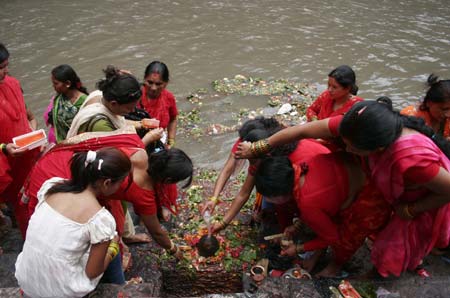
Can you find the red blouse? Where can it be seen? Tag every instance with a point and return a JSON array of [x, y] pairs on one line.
[[163, 108], [322, 107]]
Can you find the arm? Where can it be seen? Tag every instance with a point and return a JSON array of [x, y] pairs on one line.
[[31, 119], [311, 130], [98, 259], [325, 229], [238, 202], [172, 131], [439, 196], [312, 113]]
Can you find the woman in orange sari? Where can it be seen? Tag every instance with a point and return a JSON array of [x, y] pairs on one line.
[[435, 107]]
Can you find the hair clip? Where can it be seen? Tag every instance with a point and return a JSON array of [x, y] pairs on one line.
[[90, 157], [100, 161], [362, 110]]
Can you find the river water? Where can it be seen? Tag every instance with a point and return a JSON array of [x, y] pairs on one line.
[[392, 45]]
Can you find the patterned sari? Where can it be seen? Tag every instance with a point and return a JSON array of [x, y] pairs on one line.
[[63, 113]]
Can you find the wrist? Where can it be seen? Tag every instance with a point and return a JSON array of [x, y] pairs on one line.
[[215, 200], [298, 248], [3, 148], [171, 142], [223, 223], [173, 248]]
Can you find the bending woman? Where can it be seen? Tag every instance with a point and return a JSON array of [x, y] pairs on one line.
[[141, 189], [331, 197], [71, 238], [408, 162]]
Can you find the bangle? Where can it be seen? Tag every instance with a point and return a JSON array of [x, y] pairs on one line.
[[171, 142], [214, 199], [113, 249], [408, 212], [173, 248], [3, 148], [260, 147], [298, 248], [223, 223]]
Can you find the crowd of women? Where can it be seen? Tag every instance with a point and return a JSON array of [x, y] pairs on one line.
[[357, 170]]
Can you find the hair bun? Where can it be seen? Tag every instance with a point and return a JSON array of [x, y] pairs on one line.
[[432, 79], [386, 101]]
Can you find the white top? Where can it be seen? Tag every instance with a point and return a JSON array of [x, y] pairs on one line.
[[54, 256]]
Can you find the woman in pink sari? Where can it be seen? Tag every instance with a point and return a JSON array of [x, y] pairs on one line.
[[407, 161]]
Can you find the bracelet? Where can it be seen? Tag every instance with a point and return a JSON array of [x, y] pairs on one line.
[[214, 199], [260, 147], [409, 211], [173, 248], [3, 148], [113, 249], [298, 248], [171, 142], [223, 224]]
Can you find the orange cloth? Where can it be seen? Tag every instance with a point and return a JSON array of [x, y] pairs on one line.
[[425, 115]]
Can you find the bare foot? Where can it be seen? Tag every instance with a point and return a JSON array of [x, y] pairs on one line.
[[332, 270], [311, 262], [137, 238]]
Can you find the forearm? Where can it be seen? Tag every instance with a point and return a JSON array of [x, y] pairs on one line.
[[240, 200], [172, 129], [314, 130], [224, 175], [428, 203], [160, 235]]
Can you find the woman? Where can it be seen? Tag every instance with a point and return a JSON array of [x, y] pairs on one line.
[[435, 107], [408, 162], [71, 238], [140, 188], [331, 198], [339, 97], [15, 120], [103, 110], [70, 95], [158, 101]]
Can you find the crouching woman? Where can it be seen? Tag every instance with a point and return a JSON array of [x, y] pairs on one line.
[[71, 238]]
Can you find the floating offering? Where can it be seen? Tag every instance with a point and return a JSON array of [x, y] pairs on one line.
[[347, 290], [31, 140]]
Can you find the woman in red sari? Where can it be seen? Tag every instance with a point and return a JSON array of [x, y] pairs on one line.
[[15, 120], [142, 189], [158, 101], [339, 97], [410, 165], [331, 197]]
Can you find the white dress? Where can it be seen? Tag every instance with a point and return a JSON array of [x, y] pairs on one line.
[[54, 256]]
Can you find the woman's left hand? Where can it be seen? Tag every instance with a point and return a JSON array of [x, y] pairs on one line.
[[243, 150]]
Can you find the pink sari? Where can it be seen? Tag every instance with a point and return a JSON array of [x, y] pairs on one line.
[[404, 243]]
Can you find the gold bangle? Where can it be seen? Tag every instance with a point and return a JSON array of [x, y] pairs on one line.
[[173, 248], [3, 148], [214, 199], [171, 142], [297, 250], [407, 211]]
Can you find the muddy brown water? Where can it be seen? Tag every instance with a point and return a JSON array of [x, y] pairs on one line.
[[392, 45]]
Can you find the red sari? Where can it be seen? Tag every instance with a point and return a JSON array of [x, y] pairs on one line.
[[404, 243], [163, 108], [14, 122], [425, 115], [322, 107]]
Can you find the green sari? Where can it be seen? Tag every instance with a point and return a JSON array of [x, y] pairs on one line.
[[63, 113]]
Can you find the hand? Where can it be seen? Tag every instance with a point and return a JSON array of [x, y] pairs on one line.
[[14, 150], [208, 205], [290, 250], [216, 227], [290, 231], [243, 150], [179, 255], [153, 135]]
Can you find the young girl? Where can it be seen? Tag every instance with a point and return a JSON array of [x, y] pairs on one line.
[[70, 95], [339, 97], [71, 238], [158, 101]]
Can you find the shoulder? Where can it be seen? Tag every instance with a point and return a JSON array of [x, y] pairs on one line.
[[168, 95]]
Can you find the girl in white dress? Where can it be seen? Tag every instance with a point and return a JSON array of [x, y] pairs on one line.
[[71, 238]]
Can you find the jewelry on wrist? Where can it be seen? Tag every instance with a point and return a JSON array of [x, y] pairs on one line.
[[113, 249], [173, 248], [171, 142], [298, 248], [3, 148], [223, 224], [408, 212], [215, 200]]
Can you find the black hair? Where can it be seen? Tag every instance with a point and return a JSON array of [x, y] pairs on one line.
[[4, 54], [119, 86], [250, 125], [346, 77], [438, 91], [256, 134], [64, 73], [370, 125], [115, 166], [158, 67], [169, 166], [274, 176]]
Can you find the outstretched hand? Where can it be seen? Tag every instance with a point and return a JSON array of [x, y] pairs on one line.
[[14, 150], [243, 150]]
